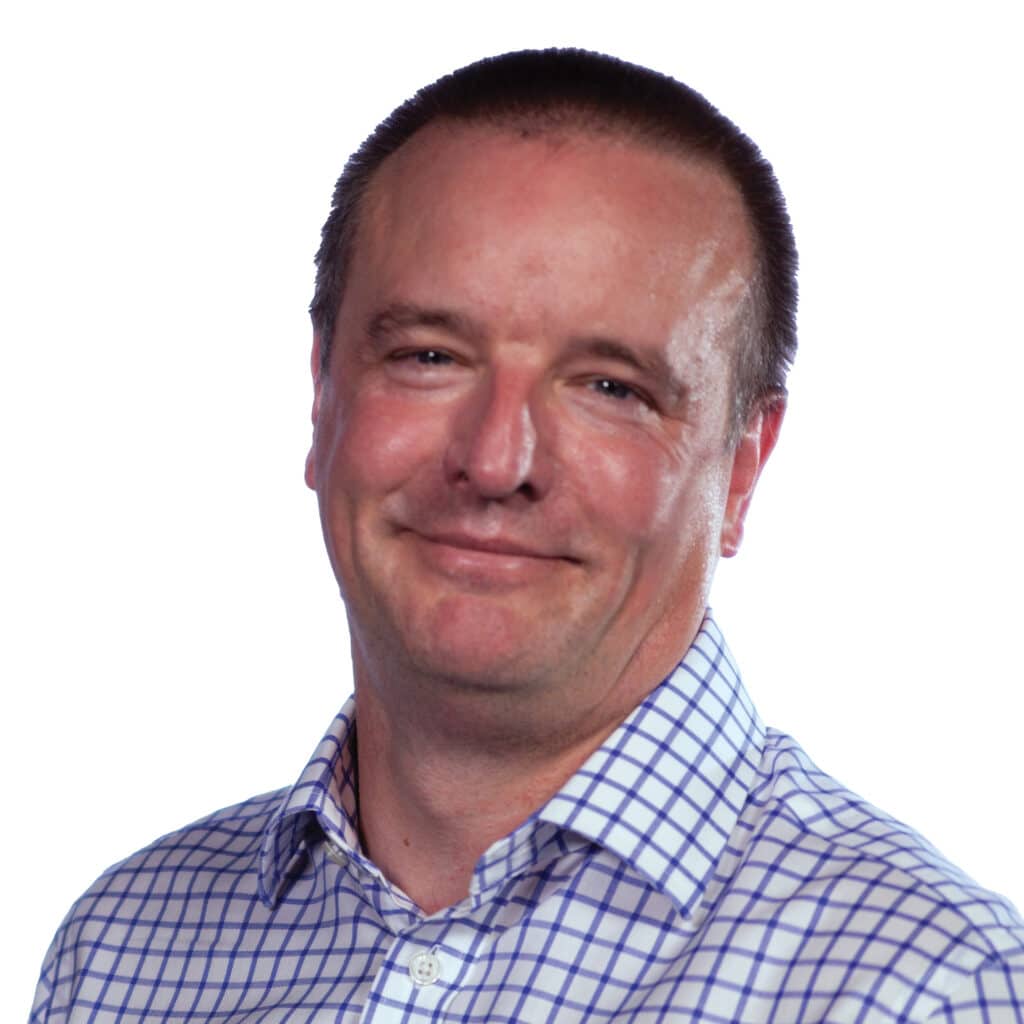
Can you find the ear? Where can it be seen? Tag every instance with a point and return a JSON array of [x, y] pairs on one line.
[[315, 370], [749, 456]]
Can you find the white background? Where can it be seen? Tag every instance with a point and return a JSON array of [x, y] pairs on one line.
[[172, 638]]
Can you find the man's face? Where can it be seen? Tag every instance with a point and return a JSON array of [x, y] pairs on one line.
[[520, 447]]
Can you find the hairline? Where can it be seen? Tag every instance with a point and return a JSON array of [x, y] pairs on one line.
[[566, 119]]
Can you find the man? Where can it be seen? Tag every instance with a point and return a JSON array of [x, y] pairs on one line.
[[553, 316]]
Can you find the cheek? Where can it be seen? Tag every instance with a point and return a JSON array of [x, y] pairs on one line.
[[375, 444], [649, 497], [633, 489]]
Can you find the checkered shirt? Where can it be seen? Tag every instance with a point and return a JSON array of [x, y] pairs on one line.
[[696, 868]]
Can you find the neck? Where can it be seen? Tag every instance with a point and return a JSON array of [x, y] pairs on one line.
[[428, 811], [447, 769]]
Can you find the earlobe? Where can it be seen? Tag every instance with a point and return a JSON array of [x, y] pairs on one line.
[[749, 456]]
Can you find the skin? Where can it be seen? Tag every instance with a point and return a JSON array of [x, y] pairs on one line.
[[522, 462]]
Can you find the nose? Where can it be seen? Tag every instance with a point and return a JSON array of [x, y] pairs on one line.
[[497, 448]]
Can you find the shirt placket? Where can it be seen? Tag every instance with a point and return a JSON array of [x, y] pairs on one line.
[[424, 970]]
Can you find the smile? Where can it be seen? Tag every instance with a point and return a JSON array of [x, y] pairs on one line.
[[489, 562], [485, 545]]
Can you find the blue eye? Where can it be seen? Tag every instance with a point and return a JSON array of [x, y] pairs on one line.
[[614, 389], [431, 357]]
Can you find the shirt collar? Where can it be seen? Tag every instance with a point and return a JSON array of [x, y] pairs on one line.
[[663, 792], [324, 795], [666, 790]]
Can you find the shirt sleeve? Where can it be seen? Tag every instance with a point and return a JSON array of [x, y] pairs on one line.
[[41, 1004], [50, 1005], [993, 995]]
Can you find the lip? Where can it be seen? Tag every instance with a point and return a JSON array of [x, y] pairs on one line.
[[486, 564], [487, 545]]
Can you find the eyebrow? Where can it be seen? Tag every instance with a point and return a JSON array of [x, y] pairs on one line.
[[398, 316], [403, 315], [653, 365]]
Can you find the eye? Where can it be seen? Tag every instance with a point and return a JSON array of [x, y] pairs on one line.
[[426, 357], [424, 367], [612, 388]]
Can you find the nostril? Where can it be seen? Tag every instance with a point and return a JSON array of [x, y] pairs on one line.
[[492, 449], [526, 488]]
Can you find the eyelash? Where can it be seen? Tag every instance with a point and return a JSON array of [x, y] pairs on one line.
[[424, 356], [609, 387], [615, 389], [620, 391]]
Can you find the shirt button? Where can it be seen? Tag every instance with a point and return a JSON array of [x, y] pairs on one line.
[[424, 969]]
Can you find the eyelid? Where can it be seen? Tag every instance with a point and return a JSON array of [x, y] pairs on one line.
[[423, 364], [412, 352], [638, 392], [420, 350]]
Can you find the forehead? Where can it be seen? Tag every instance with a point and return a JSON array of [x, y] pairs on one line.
[[561, 212]]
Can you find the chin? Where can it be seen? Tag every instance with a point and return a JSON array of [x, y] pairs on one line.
[[485, 646]]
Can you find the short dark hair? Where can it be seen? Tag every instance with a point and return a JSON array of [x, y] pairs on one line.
[[569, 89]]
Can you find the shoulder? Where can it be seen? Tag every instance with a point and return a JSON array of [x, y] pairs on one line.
[[204, 872], [223, 843], [851, 882], [204, 856], [804, 810]]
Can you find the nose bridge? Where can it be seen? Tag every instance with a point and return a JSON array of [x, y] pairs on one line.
[[498, 447]]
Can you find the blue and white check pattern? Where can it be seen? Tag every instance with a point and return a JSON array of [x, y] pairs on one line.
[[696, 868]]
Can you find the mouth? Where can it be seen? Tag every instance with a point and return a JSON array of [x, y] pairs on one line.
[[489, 545], [486, 562]]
